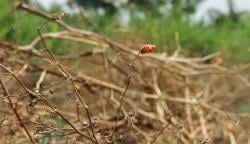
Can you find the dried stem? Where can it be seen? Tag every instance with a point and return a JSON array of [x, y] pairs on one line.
[[13, 107], [68, 75], [45, 102]]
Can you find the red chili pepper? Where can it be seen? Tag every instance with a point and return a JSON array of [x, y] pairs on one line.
[[148, 48]]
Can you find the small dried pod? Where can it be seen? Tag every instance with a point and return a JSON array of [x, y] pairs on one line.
[[148, 48]]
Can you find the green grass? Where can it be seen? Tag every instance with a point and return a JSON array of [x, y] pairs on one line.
[[231, 38]]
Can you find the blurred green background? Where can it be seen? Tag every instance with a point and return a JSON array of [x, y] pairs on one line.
[[144, 21]]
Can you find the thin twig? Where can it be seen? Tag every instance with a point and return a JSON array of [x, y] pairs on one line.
[[13, 107], [125, 90], [67, 74], [45, 101]]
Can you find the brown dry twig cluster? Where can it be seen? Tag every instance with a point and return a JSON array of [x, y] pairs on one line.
[[155, 99]]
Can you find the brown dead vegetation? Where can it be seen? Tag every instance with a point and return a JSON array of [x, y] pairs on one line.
[[106, 99]]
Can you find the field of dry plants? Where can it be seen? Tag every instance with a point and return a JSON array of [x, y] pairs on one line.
[[111, 94]]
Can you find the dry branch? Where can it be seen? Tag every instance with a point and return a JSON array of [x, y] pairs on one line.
[[185, 95]]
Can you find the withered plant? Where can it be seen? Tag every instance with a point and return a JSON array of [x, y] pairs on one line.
[[115, 93]]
